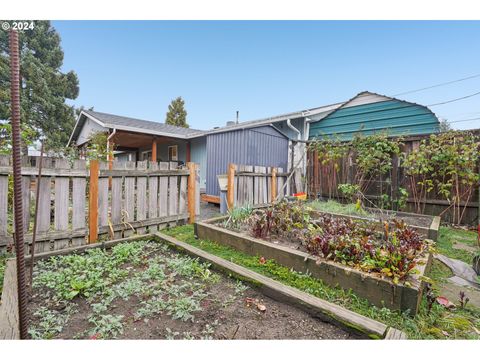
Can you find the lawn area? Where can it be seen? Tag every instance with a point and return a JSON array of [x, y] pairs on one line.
[[439, 323], [457, 244]]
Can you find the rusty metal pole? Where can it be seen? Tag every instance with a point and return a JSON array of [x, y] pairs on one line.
[[34, 235], [17, 182]]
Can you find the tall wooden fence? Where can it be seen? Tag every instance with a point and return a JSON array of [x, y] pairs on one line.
[[323, 181], [83, 203], [255, 185]]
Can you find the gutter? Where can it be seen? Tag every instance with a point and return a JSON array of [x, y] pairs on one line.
[[289, 124]]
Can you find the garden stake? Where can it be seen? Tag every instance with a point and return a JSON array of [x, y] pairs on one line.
[[34, 235], [17, 182]]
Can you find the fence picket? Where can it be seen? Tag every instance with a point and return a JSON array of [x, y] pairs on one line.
[[141, 196], [4, 161], [116, 204], [163, 193], [153, 197], [78, 202], [172, 193], [61, 203], [129, 199], [103, 197]]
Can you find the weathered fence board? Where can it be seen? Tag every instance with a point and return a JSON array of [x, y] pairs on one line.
[[129, 199], [163, 192], [140, 198], [4, 161], [153, 197]]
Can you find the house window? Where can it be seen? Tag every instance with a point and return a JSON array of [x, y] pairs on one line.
[[146, 155], [173, 153]]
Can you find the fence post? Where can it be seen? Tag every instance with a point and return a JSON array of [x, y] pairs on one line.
[[274, 185], [191, 191], [230, 185], [93, 203]]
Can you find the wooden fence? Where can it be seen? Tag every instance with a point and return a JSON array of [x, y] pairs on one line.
[[83, 203], [323, 181], [254, 185]]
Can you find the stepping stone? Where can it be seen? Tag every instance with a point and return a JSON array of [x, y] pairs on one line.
[[459, 268]]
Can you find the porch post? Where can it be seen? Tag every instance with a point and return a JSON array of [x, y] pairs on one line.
[[154, 150], [188, 152]]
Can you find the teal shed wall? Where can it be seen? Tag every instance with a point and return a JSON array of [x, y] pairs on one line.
[[393, 116]]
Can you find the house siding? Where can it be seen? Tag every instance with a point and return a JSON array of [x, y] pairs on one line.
[[198, 154], [396, 117], [261, 146]]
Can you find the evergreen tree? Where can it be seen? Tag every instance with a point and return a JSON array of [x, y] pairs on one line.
[[177, 115], [44, 88]]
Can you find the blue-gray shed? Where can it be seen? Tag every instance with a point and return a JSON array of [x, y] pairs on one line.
[[258, 146]]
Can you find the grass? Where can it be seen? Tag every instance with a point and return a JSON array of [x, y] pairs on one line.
[[332, 206], [438, 324], [450, 236]]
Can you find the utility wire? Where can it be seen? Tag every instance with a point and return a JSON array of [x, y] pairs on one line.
[[455, 121], [438, 85], [457, 99]]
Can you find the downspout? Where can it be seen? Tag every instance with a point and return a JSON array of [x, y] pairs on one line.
[[299, 136], [110, 156], [108, 141]]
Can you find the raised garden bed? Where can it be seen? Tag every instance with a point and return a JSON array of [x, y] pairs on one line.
[[146, 289], [379, 289], [426, 225]]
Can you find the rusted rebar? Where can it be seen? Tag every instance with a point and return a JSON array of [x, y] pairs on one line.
[[17, 182], [35, 219]]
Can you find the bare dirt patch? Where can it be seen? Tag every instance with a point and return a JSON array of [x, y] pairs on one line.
[[146, 290]]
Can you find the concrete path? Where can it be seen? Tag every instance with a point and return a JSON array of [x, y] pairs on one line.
[[460, 269]]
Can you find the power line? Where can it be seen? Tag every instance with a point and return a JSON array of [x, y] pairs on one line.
[[457, 99], [438, 85], [455, 121]]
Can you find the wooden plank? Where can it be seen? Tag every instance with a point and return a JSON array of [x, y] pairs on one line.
[[182, 201], [103, 197], [33, 171], [26, 196], [61, 203], [210, 198], [395, 334], [93, 202], [78, 202], [153, 196], [44, 201], [141, 196], [146, 172], [280, 184], [4, 161], [273, 194], [129, 200], [231, 186], [263, 198], [249, 185], [163, 192], [172, 193], [117, 199], [256, 189], [197, 190], [192, 183], [241, 186]]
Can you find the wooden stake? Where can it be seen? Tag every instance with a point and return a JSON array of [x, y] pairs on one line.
[[191, 191], [230, 185], [93, 202], [274, 184]]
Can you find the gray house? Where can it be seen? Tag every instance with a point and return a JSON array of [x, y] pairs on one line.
[[274, 141]]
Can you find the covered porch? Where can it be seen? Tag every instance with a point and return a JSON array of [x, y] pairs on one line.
[[134, 146]]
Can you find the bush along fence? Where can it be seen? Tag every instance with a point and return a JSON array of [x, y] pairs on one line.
[[85, 202], [255, 185], [435, 174]]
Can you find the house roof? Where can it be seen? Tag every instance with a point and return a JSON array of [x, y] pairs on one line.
[[323, 110], [110, 121]]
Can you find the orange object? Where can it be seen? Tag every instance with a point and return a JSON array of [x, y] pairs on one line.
[[301, 196]]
